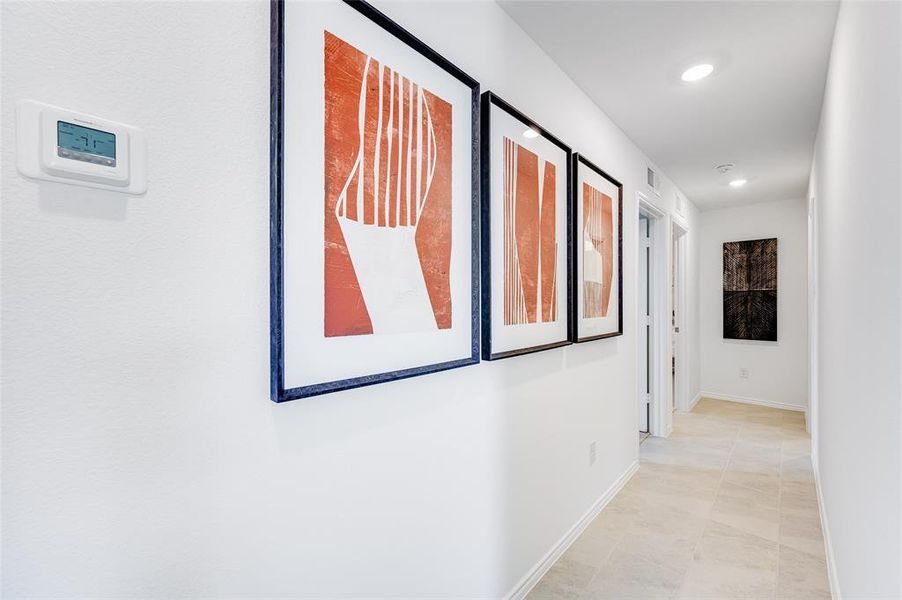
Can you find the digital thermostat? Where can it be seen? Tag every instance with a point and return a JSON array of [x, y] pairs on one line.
[[61, 145]]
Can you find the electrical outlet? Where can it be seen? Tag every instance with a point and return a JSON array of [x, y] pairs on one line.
[[591, 453], [744, 373]]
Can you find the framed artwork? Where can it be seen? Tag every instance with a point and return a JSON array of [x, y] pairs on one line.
[[525, 234], [374, 202], [750, 290], [598, 250]]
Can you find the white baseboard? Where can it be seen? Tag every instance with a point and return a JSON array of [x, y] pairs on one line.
[[694, 401], [747, 400], [825, 530], [529, 581], [665, 432]]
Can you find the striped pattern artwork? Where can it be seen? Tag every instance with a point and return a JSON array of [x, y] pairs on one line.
[[530, 237], [750, 290], [598, 252], [388, 169], [393, 168]]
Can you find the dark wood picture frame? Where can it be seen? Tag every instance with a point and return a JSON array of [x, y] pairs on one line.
[[278, 391], [574, 234], [488, 100], [751, 290]]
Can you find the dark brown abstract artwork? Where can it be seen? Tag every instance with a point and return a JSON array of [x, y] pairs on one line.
[[750, 290]]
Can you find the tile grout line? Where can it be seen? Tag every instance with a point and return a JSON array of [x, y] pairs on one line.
[[779, 517], [614, 547], [681, 457], [701, 534], [616, 544]]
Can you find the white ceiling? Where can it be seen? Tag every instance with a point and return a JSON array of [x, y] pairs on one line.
[[759, 109]]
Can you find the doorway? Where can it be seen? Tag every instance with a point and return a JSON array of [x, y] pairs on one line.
[[645, 324], [678, 352], [652, 326]]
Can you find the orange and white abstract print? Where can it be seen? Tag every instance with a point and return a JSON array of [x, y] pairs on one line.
[[530, 243], [387, 245], [598, 252]]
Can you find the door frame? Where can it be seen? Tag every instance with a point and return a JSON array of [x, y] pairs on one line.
[[679, 393], [661, 420], [643, 328]]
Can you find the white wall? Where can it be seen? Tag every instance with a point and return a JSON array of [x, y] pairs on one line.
[[857, 188], [142, 456], [777, 371]]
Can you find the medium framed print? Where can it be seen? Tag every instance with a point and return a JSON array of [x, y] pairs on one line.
[[598, 253], [374, 202], [750, 290], [525, 227]]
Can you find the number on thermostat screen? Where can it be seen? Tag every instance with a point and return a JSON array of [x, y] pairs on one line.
[[84, 139]]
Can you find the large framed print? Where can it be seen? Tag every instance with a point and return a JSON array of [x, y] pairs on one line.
[[525, 234], [598, 249], [374, 202]]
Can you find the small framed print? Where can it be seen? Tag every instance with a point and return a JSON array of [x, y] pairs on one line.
[[374, 202], [525, 234], [598, 253]]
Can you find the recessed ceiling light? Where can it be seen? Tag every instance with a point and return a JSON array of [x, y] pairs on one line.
[[531, 133], [738, 183], [697, 72]]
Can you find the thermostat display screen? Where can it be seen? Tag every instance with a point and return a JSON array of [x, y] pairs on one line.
[[83, 143]]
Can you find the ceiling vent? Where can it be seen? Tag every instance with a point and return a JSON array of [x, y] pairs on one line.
[[651, 177]]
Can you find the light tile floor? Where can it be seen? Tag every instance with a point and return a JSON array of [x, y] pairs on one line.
[[724, 508]]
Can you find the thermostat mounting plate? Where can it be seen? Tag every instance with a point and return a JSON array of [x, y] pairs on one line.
[[65, 146]]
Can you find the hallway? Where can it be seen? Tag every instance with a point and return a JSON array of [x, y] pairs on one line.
[[358, 299], [724, 508]]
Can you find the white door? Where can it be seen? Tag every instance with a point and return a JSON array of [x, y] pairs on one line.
[[644, 322]]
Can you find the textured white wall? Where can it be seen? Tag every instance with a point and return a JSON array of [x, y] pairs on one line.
[[142, 456], [778, 371], [857, 187]]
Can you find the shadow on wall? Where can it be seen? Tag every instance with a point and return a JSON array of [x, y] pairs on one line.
[[82, 202], [750, 342]]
